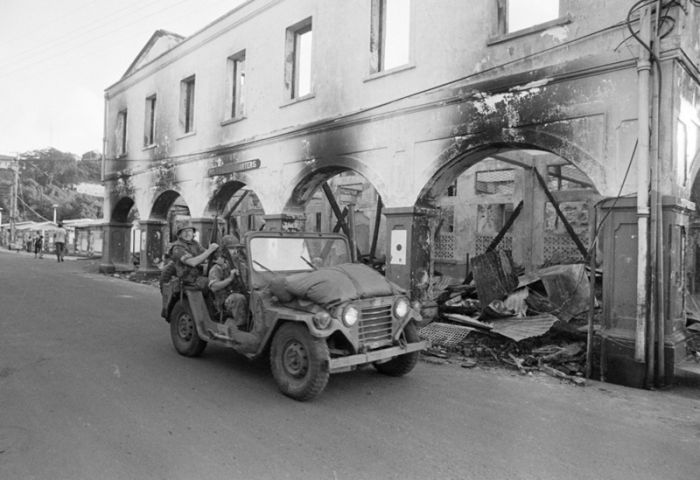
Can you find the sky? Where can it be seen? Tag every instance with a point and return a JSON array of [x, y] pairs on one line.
[[58, 56]]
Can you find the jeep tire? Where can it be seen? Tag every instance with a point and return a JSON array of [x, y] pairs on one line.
[[402, 364], [299, 362], [183, 331]]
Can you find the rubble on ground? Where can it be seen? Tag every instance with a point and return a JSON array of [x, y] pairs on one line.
[[531, 323]]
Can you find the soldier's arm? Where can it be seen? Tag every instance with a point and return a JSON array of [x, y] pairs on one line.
[[194, 260]]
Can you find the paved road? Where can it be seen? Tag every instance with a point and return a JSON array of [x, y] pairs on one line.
[[90, 388]]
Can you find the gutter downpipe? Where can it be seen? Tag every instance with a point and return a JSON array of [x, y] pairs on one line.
[[660, 294], [643, 177]]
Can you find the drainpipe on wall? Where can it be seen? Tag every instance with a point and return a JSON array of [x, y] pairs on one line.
[[643, 74], [659, 296]]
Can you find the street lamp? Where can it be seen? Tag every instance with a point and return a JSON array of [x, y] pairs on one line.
[[55, 206]]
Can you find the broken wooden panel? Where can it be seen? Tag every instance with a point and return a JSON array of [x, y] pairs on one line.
[[567, 288], [494, 276], [527, 327], [468, 321]]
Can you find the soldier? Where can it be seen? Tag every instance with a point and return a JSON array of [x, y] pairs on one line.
[[188, 255], [226, 282]]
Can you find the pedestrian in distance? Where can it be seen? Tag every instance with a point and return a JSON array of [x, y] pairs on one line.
[[59, 239], [39, 246]]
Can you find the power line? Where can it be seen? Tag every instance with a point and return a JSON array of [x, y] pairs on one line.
[[86, 36], [67, 43], [90, 24]]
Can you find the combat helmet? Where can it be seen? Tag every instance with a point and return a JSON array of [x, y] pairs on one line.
[[181, 225]]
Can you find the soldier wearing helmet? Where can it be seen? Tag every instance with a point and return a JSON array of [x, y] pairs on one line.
[[188, 254]]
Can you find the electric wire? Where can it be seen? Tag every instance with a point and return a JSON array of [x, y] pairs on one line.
[[47, 54]]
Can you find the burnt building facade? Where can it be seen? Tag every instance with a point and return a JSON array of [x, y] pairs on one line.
[[453, 114]]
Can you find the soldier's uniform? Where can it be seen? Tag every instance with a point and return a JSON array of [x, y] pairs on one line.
[[230, 300]]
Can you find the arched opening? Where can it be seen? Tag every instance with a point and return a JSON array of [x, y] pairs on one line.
[[237, 209], [511, 239], [530, 202], [126, 234], [692, 261], [169, 206], [341, 200]]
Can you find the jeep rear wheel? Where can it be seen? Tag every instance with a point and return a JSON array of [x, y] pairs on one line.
[[183, 331], [401, 365], [299, 362]]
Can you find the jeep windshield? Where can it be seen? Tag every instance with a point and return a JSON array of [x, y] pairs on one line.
[[295, 254]]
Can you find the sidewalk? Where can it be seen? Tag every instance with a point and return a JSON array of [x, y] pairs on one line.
[[47, 255]]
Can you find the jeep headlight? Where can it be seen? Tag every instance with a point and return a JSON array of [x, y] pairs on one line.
[[401, 307], [350, 315], [322, 320]]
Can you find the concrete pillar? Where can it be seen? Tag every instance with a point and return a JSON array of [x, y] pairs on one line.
[[528, 229], [408, 248], [153, 234], [205, 227], [116, 247], [619, 247]]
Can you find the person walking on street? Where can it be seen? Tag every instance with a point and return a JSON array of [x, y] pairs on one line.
[[38, 246], [59, 239]]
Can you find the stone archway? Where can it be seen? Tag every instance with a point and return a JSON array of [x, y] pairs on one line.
[[236, 209], [339, 198]]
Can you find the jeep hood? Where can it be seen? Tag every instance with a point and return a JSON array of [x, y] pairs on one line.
[[331, 286]]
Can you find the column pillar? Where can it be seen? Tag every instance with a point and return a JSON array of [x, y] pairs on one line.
[[619, 247], [408, 248], [116, 247], [152, 245], [528, 229], [205, 227]]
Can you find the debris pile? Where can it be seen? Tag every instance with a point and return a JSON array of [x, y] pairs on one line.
[[535, 322]]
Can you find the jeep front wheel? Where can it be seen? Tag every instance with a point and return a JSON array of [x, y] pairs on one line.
[[183, 331], [299, 362], [402, 364]]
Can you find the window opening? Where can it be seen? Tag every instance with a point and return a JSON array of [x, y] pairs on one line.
[[121, 133], [390, 39], [237, 82], [187, 113], [521, 14], [150, 128]]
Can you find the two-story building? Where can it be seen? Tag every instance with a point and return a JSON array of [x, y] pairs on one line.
[[473, 107]]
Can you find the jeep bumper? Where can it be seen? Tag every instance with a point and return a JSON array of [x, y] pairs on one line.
[[342, 364]]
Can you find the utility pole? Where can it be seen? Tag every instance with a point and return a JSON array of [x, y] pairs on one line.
[[13, 200]]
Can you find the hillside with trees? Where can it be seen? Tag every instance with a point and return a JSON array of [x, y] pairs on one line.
[[49, 177]]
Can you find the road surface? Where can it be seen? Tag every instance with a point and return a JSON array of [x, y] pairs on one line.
[[90, 388]]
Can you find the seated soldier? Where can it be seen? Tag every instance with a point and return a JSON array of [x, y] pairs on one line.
[[188, 255], [226, 282]]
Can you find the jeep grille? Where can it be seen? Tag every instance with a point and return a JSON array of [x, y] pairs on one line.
[[375, 326]]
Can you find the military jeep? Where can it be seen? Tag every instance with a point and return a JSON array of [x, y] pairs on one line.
[[310, 309]]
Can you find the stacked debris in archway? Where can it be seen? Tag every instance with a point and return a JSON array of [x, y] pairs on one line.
[[543, 320], [537, 321]]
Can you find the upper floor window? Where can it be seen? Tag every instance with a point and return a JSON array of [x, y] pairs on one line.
[[120, 133], [298, 55], [149, 131], [390, 34], [522, 14], [236, 82], [187, 104]]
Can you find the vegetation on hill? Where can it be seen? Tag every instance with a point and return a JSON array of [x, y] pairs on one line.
[[49, 177]]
